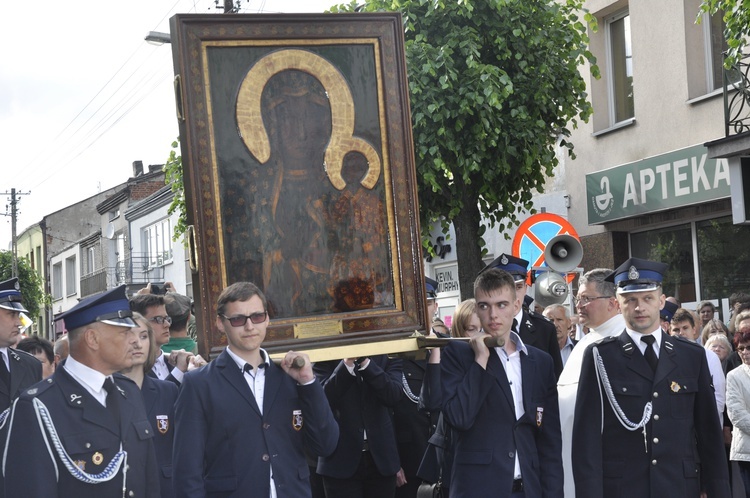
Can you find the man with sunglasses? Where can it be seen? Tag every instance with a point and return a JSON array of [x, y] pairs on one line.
[[153, 308], [242, 422]]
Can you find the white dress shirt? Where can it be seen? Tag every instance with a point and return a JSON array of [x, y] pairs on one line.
[[256, 381], [512, 365]]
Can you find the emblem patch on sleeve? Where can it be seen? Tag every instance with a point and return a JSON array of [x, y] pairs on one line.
[[162, 422], [297, 420]]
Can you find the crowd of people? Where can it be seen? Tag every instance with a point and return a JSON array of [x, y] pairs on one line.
[[632, 395]]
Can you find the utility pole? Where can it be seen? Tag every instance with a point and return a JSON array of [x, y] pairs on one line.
[[13, 217]]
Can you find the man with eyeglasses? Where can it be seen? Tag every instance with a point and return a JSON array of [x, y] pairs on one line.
[[645, 421], [597, 309], [153, 308], [242, 422]]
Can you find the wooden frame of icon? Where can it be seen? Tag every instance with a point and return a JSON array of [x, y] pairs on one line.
[[299, 173]]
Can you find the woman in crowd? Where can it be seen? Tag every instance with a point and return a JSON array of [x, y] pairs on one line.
[[706, 311], [465, 320], [712, 327], [719, 344], [738, 408], [159, 397]]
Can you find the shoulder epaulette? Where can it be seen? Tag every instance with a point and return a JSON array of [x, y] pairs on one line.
[[38, 388]]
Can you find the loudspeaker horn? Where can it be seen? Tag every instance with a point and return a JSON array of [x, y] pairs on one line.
[[550, 288], [563, 253]]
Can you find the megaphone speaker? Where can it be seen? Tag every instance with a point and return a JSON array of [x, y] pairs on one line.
[[550, 288], [563, 253]]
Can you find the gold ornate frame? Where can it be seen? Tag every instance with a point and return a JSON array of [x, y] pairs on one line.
[[233, 183]]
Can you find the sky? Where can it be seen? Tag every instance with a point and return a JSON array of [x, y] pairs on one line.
[[83, 96]]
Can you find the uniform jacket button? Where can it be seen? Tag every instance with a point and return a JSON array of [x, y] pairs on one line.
[[511, 454], [653, 462], [656, 395], [265, 457], [656, 417]]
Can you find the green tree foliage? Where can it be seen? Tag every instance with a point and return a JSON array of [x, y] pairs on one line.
[[173, 177], [494, 87], [32, 286], [736, 15]]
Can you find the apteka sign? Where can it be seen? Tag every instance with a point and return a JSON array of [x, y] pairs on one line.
[[675, 179]]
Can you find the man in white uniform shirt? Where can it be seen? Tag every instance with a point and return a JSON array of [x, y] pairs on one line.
[[597, 309]]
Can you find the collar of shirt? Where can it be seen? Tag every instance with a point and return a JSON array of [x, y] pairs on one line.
[[520, 346], [636, 336], [569, 343], [241, 363], [519, 319], [92, 380]]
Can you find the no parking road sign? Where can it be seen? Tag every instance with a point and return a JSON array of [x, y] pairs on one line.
[[534, 234]]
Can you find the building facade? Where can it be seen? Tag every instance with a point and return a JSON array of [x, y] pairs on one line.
[[644, 182]]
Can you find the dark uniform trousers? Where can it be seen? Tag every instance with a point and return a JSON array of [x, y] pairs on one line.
[[88, 433], [535, 330], [682, 452], [159, 398], [362, 403], [413, 426]]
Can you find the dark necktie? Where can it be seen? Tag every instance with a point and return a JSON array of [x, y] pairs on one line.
[[514, 328], [650, 354], [112, 401]]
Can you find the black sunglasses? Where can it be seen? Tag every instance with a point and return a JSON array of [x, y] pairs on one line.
[[240, 320]]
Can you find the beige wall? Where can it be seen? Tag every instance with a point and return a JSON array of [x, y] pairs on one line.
[[664, 39]]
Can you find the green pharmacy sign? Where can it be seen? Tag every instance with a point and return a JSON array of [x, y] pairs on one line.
[[675, 179]]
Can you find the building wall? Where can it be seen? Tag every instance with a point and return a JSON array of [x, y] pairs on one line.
[[174, 270], [674, 108]]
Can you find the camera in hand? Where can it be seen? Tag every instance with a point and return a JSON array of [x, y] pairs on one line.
[[158, 289]]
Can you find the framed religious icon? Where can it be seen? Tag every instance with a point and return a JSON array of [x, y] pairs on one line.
[[299, 173]]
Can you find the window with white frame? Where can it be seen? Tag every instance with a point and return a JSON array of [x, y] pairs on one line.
[[57, 281], [619, 68], [157, 243], [90, 255], [70, 276]]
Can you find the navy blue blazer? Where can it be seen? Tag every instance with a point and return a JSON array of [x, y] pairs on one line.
[[362, 402], [159, 397], [684, 452], [90, 436], [478, 403], [224, 446]]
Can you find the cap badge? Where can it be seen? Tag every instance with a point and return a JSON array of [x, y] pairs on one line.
[[504, 260], [675, 387], [633, 273], [98, 458]]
